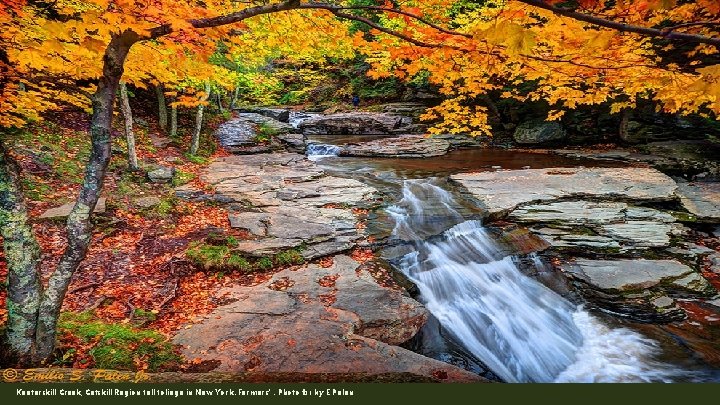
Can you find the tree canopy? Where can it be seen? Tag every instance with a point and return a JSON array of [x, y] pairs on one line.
[[568, 53]]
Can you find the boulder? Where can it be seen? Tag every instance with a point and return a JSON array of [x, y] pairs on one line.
[[293, 142], [64, 210], [407, 146], [503, 191], [239, 135], [354, 123], [539, 132], [162, 174], [315, 320]]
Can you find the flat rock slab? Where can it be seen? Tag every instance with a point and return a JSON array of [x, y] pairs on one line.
[[632, 275], [286, 201], [407, 146], [503, 191], [64, 210], [608, 224], [701, 200], [316, 320]]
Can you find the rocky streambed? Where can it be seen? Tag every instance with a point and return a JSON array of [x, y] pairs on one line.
[[632, 245]]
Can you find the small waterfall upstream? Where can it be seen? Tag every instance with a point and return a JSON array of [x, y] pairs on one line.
[[520, 329], [315, 151]]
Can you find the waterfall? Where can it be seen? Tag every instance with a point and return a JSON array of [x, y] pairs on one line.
[[315, 151], [520, 329]]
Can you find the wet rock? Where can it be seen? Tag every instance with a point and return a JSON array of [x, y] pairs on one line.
[[641, 290], [287, 202], [64, 210], [538, 132], [701, 199], [519, 239], [695, 283], [278, 114], [355, 123], [407, 146], [627, 275], [315, 320], [498, 192], [161, 174]]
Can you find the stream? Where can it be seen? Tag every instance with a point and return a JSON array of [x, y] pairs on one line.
[[488, 314]]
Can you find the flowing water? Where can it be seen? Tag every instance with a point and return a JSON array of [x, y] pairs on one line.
[[520, 329], [316, 151], [488, 314]]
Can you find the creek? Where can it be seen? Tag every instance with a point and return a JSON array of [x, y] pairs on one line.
[[491, 314]]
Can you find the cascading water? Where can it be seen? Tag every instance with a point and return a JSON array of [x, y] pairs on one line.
[[315, 151], [520, 329]]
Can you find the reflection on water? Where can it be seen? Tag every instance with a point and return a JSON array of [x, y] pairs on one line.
[[463, 160]]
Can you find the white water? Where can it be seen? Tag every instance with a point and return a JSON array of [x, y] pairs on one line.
[[522, 330], [315, 151], [298, 117]]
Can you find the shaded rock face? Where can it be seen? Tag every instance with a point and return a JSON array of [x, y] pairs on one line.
[[539, 132], [689, 159], [316, 320], [407, 146], [285, 201], [278, 114], [355, 123]]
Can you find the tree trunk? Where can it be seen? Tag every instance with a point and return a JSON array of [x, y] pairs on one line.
[[218, 99], [23, 255], [173, 121], [129, 134], [195, 144], [235, 96], [623, 129], [78, 222], [162, 107]]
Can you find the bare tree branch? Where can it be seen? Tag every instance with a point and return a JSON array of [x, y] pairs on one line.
[[622, 27]]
